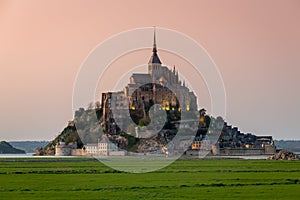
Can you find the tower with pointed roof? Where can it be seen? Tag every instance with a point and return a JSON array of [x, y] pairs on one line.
[[154, 64], [161, 85]]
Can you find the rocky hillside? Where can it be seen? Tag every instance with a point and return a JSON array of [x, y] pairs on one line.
[[6, 148], [69, 134], [86, 128], [87, 124]]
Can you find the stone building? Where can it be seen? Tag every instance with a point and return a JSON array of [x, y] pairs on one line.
[[91, 148], [103, 148], [160, 85], [233, 142], [63, 149]]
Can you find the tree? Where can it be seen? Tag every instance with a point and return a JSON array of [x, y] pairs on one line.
[[202, 112]]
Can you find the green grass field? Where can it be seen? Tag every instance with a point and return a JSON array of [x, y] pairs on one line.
[[185, 179]]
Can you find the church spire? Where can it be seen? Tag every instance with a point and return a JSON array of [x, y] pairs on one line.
[[154, 58], [154, 50]]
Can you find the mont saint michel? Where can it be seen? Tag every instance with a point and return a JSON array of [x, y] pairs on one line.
[[97, 104], [160, 85]]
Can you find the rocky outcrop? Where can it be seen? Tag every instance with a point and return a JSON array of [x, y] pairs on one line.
[[70, 136], [43, 151], [284, 155], [153, 144]]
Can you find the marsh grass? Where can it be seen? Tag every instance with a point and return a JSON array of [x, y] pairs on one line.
[[184, 179]]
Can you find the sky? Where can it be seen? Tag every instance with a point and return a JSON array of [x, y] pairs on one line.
[[255, 45]]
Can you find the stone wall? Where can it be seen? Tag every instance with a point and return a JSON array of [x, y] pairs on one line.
[[78, 152], [62, 151], [243, 152]]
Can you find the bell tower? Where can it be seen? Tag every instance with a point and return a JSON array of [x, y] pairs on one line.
[[154, 64]]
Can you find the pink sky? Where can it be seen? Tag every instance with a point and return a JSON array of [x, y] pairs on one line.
[[255, 44]]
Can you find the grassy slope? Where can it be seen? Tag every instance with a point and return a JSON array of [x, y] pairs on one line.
[[200, 179]]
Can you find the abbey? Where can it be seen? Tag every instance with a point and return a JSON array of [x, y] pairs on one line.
[[161, 85], [126, 121]]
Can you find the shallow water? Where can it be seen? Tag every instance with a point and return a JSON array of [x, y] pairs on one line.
[[16, 155]]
